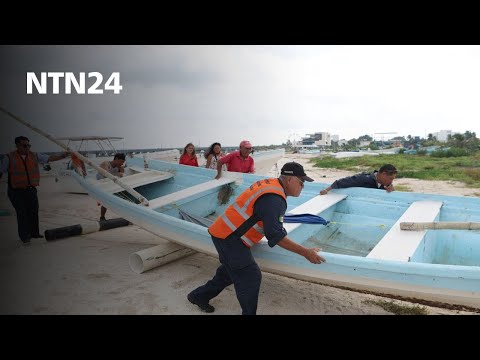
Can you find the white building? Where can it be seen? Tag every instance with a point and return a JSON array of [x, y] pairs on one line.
[[323, 139], [364, 143], [442, 135], [317, 139]]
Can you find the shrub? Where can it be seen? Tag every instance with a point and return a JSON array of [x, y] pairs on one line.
[[452, 152], [473, 173]]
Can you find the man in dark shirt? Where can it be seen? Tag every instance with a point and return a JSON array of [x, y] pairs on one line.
[[237, 263], [381, 179]]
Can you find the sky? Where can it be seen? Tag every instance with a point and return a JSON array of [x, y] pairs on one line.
[[176, 94]]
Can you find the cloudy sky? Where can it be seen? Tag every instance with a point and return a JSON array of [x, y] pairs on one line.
[[173, 95]]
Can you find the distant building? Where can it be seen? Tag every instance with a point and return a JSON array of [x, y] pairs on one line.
[[318, 139], [364, 143], [442, 135], [397, 143]]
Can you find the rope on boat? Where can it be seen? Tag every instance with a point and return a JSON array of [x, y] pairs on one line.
[[355, 224]]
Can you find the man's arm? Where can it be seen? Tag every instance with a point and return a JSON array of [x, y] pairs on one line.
[[326, 190], [270, 208], [311, 254], [360, 180], [53, 157], [224, 160]]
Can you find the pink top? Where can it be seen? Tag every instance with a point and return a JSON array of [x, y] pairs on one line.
[[237, 163], [187, 160]]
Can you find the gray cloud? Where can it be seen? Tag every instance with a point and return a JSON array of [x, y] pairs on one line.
[[176, 94]]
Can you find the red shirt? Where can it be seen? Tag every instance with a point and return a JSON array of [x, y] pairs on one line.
[[187, 160], [237, 163]]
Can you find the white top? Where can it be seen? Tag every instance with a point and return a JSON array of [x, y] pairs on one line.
[[107, 165], [214, 162]]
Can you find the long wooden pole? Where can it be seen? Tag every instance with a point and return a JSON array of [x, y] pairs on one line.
[[442, 225], [105, 173]]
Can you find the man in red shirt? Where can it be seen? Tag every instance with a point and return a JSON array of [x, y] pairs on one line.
[[238, 161]]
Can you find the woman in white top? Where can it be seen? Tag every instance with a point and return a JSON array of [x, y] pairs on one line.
[[212, 155]]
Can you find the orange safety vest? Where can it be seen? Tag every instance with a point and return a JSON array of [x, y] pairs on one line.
[[23, 174], [242, 209]]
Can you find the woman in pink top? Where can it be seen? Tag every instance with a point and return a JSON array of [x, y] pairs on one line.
[[188, 157]]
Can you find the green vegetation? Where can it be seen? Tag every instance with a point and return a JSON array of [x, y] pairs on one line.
[[464, 168], [453, 152], [397, 309]]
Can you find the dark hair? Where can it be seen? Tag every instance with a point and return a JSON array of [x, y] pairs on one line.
[[210, 150], [18, 139], [388, 168], [120, 156], [185, 149]]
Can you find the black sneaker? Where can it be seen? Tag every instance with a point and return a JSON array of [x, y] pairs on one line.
[[204, 307], [102, 218]]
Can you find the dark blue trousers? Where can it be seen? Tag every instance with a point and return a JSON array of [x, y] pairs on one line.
[[238, 267], [25, 202]]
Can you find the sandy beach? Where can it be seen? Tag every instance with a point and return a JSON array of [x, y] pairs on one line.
[[90, 274]]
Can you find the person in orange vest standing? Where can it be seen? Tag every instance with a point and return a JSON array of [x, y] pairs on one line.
[[257, 212], [23, 170]]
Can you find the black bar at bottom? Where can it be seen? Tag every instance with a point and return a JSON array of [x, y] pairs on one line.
[[73, 230], [113, 223], [63, 232]]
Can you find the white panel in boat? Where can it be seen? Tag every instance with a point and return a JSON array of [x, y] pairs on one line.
[[186, 193], [135, 180], [400, 244]]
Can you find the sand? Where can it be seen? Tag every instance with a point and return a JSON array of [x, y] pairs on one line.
[[328, 176], [90, 274]]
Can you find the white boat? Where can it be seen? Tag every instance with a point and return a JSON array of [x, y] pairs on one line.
[[364, 245]]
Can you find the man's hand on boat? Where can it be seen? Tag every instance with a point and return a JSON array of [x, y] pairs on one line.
[[311, 254], [389, 188]]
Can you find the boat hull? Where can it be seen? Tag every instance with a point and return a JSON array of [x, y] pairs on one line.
[[420, 280]]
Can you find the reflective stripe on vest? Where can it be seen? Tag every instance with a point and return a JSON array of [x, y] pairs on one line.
[[17, 171], [242, 209]]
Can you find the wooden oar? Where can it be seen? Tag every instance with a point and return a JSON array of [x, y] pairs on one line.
[[441, 225], [105, 173]]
